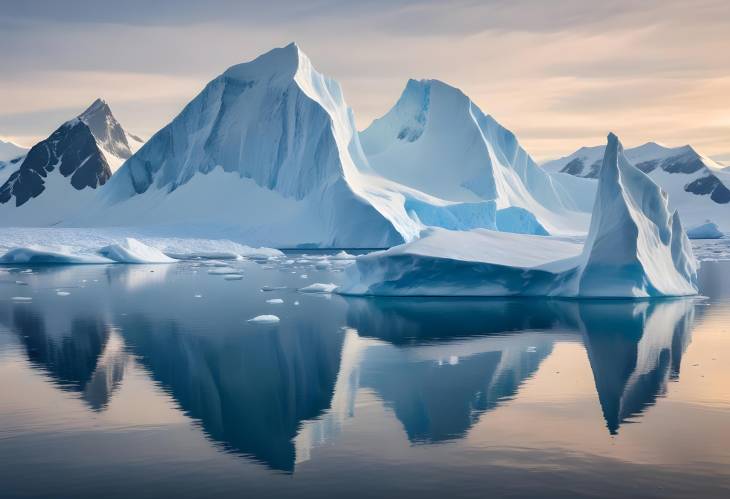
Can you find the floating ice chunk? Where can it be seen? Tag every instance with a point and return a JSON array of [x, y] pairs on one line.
[[304, 276], [272, 288], [708, 230], [296, 303], [223, 271], [21, 283], [275, 301], [343, 255], [319, 287], [134, 251], [62, 293], [198, 296], [233, 277], [22, 298], [264, 319]]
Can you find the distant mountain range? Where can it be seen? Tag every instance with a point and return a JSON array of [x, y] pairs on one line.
[[696, 185], [268, 154]]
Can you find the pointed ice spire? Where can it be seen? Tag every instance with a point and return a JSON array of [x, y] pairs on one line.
[[635, 247]]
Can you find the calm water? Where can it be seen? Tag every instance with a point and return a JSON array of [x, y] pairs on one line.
[[131, 386]]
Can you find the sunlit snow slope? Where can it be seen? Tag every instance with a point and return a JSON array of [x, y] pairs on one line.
[[435, 139]]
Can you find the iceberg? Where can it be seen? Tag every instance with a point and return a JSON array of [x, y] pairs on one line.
[[636, 248], [707, 230], [128, 251], [264, 319]]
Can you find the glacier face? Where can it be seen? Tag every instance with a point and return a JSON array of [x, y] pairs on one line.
[[436, 140], [697, 186], [635, 248], [59, 174]]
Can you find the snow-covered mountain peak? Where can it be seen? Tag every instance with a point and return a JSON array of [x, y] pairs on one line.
[[109, 134], [10, 150], [281, 62], [436, 139]]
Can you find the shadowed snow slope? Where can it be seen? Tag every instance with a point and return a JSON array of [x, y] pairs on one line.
[[436, 140], [267, 153], [697, 186], [61, 173], [635, 248]]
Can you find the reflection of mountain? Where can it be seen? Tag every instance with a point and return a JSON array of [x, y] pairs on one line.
[[634, 350], [83, 355], [249, 390]]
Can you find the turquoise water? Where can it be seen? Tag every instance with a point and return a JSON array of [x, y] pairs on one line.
[[148, 381]]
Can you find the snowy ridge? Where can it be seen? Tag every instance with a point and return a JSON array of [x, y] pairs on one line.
[[59, 175], [697, 186], [435, 139], [636, 248], [268, 154]]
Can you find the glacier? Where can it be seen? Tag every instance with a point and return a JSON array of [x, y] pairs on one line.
[[636, 248]]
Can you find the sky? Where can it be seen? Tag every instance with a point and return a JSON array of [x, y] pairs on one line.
[[560, 74]]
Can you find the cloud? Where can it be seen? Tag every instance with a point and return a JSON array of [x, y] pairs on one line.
[[559, 74]]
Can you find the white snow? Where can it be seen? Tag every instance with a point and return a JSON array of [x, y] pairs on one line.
[[635, 248], [63, 293], [275, 301], [707, 230], [10, 150], [319, 287], [264, 319]]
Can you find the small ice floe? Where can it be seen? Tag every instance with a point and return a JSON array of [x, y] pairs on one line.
[[272, 288], [319, 287], [223, 271], [21, 283], [343, 255], [304, 276], [233, 277], [22, 298], [26, 271], [531, 349], [275, 301], [62, 293], [264, 319], [198, 296], [296, 303], [322, 265], [133, 251]]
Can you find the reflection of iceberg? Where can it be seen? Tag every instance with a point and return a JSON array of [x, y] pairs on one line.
[[633, 352], [438, 377], [249, 392], [84, 355]]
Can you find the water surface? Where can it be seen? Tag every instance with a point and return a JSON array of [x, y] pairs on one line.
[[148, 381]]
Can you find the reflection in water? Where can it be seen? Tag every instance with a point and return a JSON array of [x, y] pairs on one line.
[[634, 348], [83, 354], [634, 352], [248, 391], [275, 393]]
